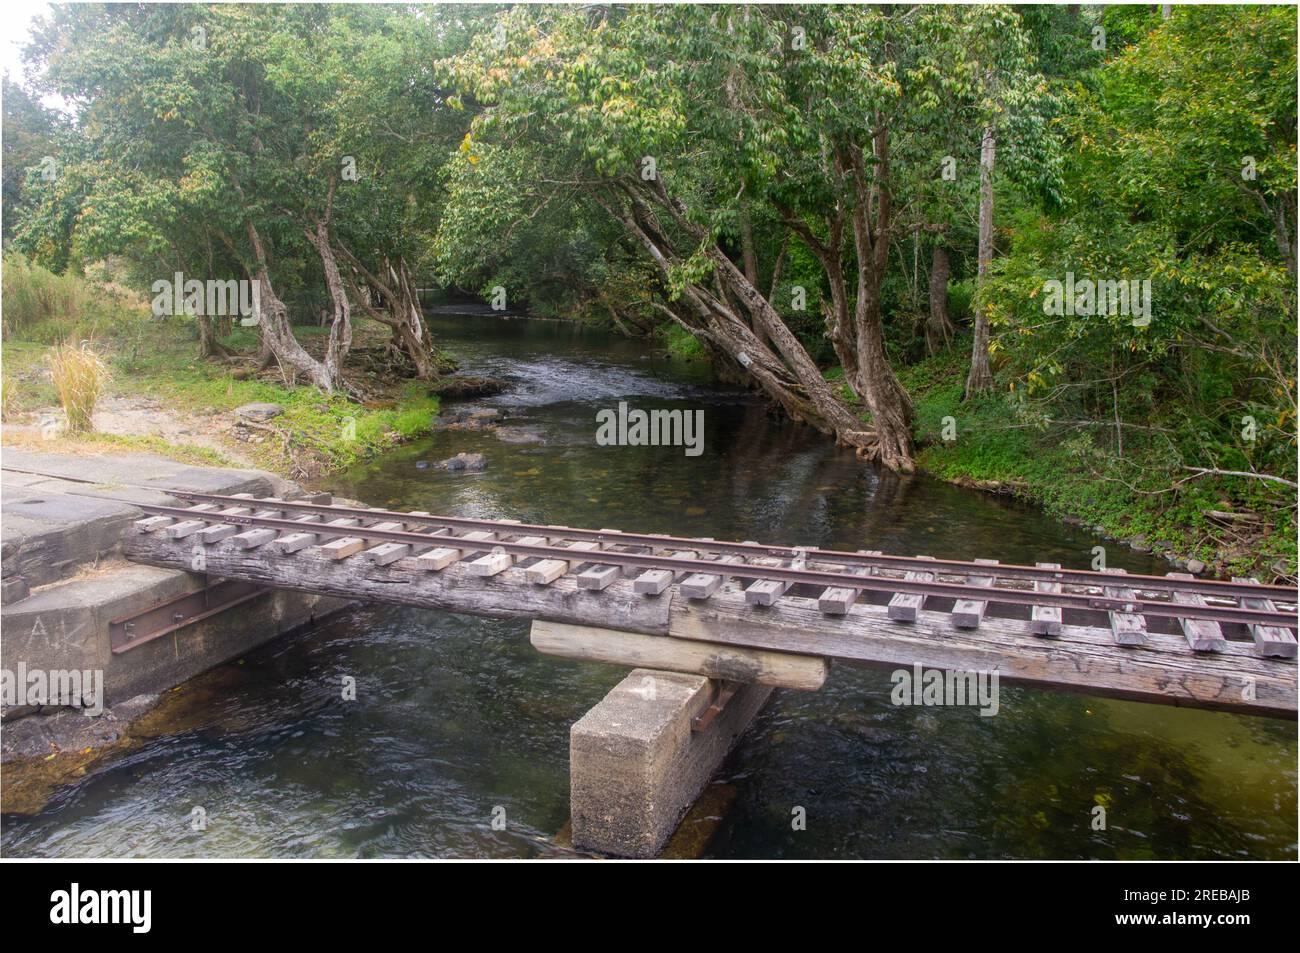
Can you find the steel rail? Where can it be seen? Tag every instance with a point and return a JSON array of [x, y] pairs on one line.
[[1212, 587], [1005, 570], [739, 570]]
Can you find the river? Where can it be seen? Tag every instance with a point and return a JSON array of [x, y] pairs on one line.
[[457, 720]]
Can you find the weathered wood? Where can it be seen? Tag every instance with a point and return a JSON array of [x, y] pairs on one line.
[[436, 560], [836, 600], [386, 553], [904, 606], [764, 592], [598, 577], [546, 571], [253, 538], [408, 582], [184, 528], [1271, 641], [702, 585], [652, 582], [969, 613], [351, 545], [1202, 634], [216, 531], [1083, 658], [498, 560], [294, 542], [587, 643], [1129, 628], [1046, 620]]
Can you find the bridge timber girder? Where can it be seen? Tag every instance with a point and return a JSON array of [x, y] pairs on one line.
[[762, 598]]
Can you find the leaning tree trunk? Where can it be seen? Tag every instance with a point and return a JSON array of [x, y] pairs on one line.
[[277, 334], [727, 332], [980, 378], [939, 329]]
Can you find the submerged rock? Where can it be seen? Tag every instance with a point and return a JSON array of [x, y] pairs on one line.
[[520, 435], [460, 463]]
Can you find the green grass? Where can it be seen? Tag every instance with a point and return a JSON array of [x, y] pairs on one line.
[[157, 358], [340, 432], [1072, 472]]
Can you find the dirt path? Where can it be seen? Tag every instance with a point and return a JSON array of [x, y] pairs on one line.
[[144, 417], [132, 416]]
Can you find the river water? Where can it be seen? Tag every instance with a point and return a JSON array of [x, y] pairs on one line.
[[458, 721]]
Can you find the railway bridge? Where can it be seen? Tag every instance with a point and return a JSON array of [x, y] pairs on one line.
[[711, 626]]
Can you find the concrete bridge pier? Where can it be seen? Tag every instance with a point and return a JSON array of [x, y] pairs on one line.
[[637, 764]]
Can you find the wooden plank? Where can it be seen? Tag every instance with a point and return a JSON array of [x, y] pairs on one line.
[[652, 582], [391, 551], [764, 592], [346, 546], [270, 514], [408, 582], [969, 613], [599, 577], [781, 669], [253, 538], [904, 606], [702, 585], [295, 542], [546, 571], [186, 528], [498, 561], [1046, 620], [836, 600], [259, 537], [386, 553], [218, 531], [1129, 628], [1202, 635], [1271, 641], [438, 559]]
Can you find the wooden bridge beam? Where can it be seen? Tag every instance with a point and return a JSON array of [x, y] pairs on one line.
[[733, 663], [1079, 658]]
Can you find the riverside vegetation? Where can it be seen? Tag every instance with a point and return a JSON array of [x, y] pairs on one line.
[[860, 212]]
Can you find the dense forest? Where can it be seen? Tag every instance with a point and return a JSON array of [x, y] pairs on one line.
[[1016, 245]]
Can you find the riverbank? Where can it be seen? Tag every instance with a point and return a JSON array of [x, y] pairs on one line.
[[165, 398], [1228, 526]]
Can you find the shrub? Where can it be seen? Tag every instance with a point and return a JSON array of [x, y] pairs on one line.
[[79, 377]]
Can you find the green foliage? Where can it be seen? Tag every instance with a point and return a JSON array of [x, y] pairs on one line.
[[1156, 192], [679, 342]]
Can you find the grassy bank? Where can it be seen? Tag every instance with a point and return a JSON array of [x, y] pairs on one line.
[[1235, 526], [152, 362]]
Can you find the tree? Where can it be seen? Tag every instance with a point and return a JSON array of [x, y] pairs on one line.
[[182, 109], [29, 137], [1160, 144]]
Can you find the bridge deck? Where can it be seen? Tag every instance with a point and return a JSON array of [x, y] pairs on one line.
[[1167, 639]]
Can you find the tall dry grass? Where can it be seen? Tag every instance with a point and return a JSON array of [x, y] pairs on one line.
[[79, 377]]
